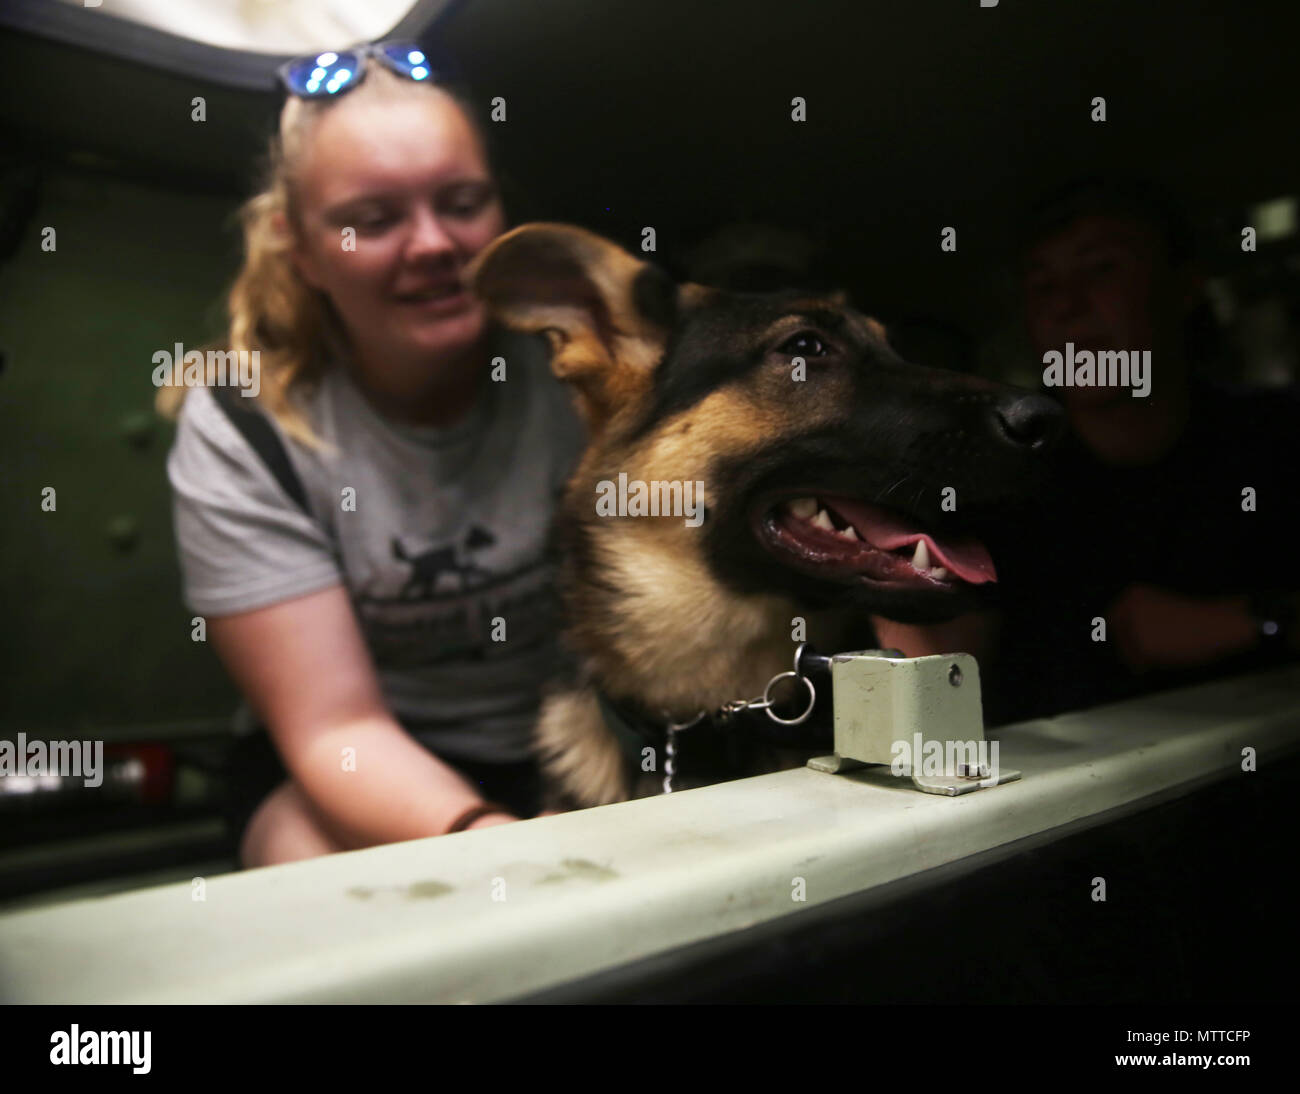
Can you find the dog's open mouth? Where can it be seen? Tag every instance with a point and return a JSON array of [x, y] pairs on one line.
[[841, 538]]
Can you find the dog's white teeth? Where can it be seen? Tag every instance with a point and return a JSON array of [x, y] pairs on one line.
[[939, 572], [921, 556], [849, 533], [823, 520], [803, 508]]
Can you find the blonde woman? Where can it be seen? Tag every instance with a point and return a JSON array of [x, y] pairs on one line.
[[365, 537]]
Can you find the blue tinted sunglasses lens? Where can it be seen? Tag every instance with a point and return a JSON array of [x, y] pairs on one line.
[[406, 58], [324, 75]]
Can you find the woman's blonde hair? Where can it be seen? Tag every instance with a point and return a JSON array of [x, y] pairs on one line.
[[292, 326]]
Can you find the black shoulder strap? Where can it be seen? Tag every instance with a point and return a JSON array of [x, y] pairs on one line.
[[259, 433]]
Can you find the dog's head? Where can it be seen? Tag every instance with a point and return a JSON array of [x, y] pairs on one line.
[[834, 472]]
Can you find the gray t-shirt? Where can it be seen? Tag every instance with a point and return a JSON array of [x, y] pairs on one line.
[[435, 534]]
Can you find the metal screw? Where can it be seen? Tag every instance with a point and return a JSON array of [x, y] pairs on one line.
[[137, 429], [954, 676], [123, 532]]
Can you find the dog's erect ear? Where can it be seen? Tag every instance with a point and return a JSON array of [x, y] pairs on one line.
[[606, 314]]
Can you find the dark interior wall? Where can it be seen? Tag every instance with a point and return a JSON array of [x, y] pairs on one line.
[[662, 113], [94, 632], [677, 114], [920, 115]]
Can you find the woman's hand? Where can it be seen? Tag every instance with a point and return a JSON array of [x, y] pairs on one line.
[[1156, 628], [304, 667], [487, 820], [976, 633]]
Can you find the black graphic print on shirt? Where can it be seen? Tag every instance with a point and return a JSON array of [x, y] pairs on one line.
[[452, 606], [449, 567]]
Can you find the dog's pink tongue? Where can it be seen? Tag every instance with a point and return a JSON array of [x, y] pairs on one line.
[[963, 556]]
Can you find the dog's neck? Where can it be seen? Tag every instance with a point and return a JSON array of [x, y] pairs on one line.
[[663, 633]]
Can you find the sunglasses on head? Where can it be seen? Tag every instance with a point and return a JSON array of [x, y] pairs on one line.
[[329, 74]]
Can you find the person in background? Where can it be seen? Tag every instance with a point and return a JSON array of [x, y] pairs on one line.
[[1166, 525], [391, 628]]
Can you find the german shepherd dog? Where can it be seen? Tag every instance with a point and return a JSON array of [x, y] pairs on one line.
[[837, 481]]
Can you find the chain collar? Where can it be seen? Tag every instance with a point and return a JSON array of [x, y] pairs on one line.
[[634, 731]]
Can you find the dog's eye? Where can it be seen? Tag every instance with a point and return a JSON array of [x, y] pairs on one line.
[[804, 344]]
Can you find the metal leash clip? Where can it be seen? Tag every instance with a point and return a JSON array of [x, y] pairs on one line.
[[728, 711]]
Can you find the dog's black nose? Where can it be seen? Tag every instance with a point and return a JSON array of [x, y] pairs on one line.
[[1030, 421]]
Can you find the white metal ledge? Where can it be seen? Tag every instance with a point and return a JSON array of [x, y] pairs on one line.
[[497, 913]]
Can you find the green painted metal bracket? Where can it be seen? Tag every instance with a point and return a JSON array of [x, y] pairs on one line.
[[921, 716]]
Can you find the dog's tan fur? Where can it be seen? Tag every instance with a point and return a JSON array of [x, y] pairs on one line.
[[670, 636]]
